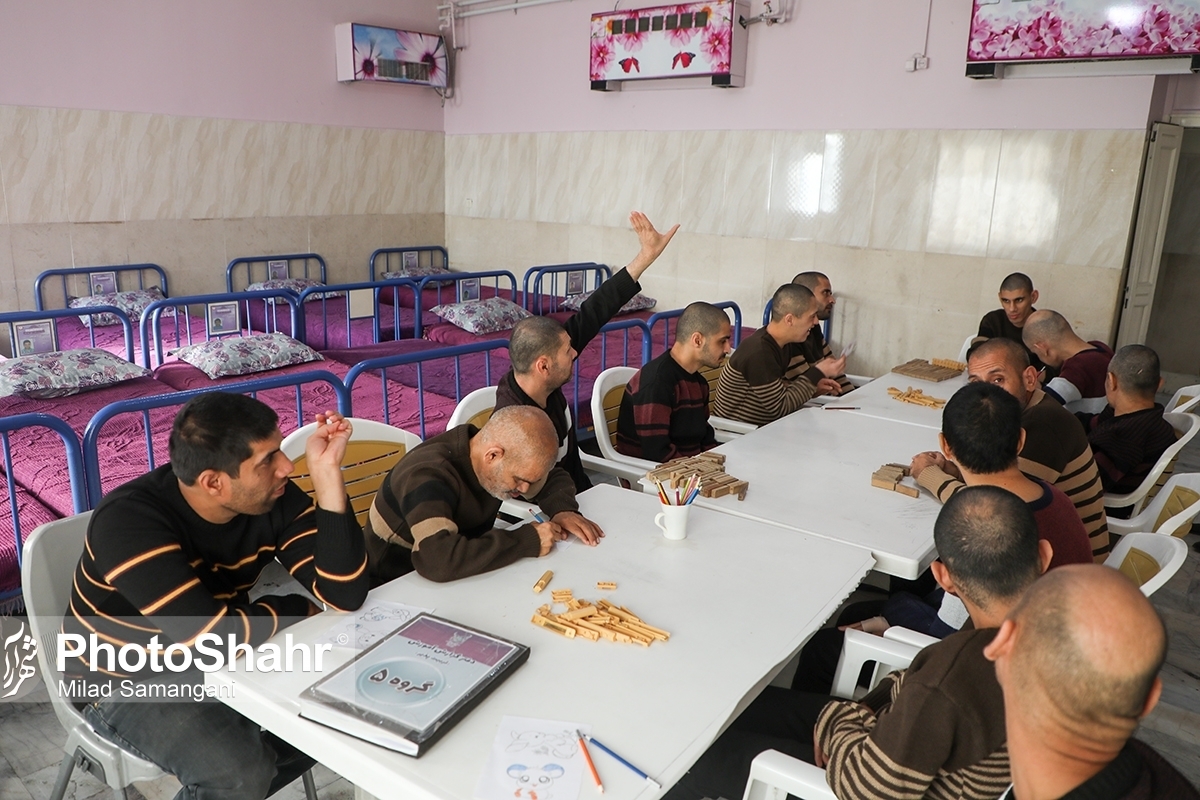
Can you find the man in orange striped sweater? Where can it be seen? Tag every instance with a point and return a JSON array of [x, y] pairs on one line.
[[169, 558]]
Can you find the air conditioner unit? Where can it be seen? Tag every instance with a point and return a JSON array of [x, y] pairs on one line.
[[386, 55], [698, 44]]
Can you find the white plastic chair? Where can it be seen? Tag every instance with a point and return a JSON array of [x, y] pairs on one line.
[[1170, 512], [774, 775], [1185, 399], [476, 408], [606, 404], [1186, 427], [1148, 559], [373, 450], [966, 347]]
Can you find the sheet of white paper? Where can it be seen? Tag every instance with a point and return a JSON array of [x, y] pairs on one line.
[[372, 622], [533, 759]]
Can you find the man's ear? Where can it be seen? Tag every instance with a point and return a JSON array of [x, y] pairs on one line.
[[1161, 381], [697, 340], [945, 447], [212, 481], [494, 453], [1033, 297], [1153, 697], [1029, 376], [1045, 555], [1021, 442], [942, 576], [542, 365], [1002, 643], [1110, 382]]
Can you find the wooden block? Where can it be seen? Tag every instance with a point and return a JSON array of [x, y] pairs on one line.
[[883, 484], [606, 585], [551, 625], [543, 581], [911, 491], [741, 487], [711, 456], [576, 613]]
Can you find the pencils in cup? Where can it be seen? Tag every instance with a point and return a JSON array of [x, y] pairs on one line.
[[691, 490]]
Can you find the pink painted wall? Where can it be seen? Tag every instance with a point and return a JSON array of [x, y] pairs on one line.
[[259, 60], [838, 64]]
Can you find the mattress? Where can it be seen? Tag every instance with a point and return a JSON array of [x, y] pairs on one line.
[[30, 513]]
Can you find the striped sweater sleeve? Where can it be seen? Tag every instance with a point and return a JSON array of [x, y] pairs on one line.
[[759, 403], [941, 484], [327, 554]]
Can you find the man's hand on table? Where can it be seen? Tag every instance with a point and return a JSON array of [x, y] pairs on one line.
[[548, 533], [575, 524], [828, 386], [922, 460]]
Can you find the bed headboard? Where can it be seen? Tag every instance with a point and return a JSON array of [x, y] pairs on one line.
[[391, 259], [10, 319], [446, 288], [243, 271], [69, 282], [188, 319], [315, 304], [546, 287]]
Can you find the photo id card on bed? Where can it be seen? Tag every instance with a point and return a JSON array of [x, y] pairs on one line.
[[103, 282], [408, 688], [468, 289], [409, 259], [223, 318], [575, 282], [31, 338], [277, 270]]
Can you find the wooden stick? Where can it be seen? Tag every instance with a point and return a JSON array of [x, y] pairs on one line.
[[543, 581]]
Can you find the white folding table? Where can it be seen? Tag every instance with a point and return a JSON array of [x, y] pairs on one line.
[[739, 598], [873, 400]]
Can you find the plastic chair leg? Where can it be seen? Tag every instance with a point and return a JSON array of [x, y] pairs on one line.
[[65, 769], [310, 785]]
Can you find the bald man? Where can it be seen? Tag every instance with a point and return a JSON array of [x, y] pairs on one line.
[[756, 385], [1078, 661], [1081, 365], [803, 356], [1017, 297], [436, 511]]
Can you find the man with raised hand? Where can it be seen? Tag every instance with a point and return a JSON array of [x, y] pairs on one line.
[[1078, 661], [543, 351], [170, 556], [436, 510]]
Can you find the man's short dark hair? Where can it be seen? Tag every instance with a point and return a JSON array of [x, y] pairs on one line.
[[810, 279], [532, 338], [1017, 281], [791, 298], [988, 539], [1012, 352], [702, 318], [1137, 370], [216, 431], [982, 426]]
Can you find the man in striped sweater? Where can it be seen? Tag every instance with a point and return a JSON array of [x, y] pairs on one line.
[[170, 557], [934, 730], [803, 355], [664, 411], [758, 385], [1056, 449]]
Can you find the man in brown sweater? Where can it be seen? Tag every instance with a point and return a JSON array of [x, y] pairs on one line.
[[803, 355], [933, 730], [1078, 661], [436, 511], [1056, 449], [757, 385]]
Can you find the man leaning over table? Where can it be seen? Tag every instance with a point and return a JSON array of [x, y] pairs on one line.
[[170, 556], [436, 510]]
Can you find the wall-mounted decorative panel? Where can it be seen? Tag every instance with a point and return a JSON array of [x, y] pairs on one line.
[[370, 53]]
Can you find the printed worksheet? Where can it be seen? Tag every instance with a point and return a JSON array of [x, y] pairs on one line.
[[533, 759], [369, 624]]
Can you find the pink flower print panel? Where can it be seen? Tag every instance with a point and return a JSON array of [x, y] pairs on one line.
[[1048, 30], [385, 54], [667, 41]]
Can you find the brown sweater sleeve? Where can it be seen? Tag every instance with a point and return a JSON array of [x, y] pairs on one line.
[[939, 483]]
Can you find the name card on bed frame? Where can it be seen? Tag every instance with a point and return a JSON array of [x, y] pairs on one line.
[[32, 337]]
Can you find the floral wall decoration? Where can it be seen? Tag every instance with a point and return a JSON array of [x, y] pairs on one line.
[[691, 39], [1063, 30], [369, 53]]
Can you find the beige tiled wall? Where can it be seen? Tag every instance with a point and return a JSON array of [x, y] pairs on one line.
[[916, 228], [84, 188]]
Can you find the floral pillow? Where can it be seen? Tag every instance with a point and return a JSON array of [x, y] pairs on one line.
[[640, 302], [64, 372], [132, 303], [297, 285], [245, 355], [416, 273], [482, 316]]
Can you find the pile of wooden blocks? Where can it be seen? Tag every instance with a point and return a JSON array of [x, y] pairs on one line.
[[714, 481], [593, 621], [889, 476], [940, 370], [916, 397]]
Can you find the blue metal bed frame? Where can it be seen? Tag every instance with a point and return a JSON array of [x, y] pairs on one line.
[[151, 322], [63, 313], [439, 282], [433, 255], [66, 273], [394, 284], [307, 260], [533, 287], [674, 313]]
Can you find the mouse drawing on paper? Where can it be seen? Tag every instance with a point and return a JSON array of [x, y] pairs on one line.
[[559, 745], [535, 783]]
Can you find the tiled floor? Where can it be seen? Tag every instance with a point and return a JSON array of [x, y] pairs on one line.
[[31, 739]]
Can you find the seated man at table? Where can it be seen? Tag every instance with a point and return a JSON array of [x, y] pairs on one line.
[[1082, 366], [436, 510], [1056, 449], [664, 411], [543, 351], [1017, 297], [169, 556], [1078, 662], [1130, 435], [802, 356], [756, 385], [933, 730]]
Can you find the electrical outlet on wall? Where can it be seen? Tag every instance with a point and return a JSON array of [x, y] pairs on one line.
[[918, 61]]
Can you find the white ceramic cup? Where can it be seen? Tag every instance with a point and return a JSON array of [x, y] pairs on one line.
[[673, 521]]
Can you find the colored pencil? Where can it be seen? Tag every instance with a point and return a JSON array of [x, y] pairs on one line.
[[588, 758], [634, 769], [842, 408]]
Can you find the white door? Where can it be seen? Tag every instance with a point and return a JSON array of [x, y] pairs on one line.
[[1154, 207]]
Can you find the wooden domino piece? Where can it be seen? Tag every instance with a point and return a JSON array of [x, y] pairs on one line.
[[606, 585]]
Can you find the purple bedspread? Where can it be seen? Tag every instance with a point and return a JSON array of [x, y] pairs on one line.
[[30, 514]]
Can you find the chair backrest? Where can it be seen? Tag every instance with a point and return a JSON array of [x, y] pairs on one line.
[[712, 375], [1174, 507], [966, 347], [373, 449], [607, 392], [1186, 427], [476, 408], [1184, 400], [1148, 559], [859, 648], [51, 555]]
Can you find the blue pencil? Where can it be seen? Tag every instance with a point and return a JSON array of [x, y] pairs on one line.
[[635, 770], [537, 517]]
